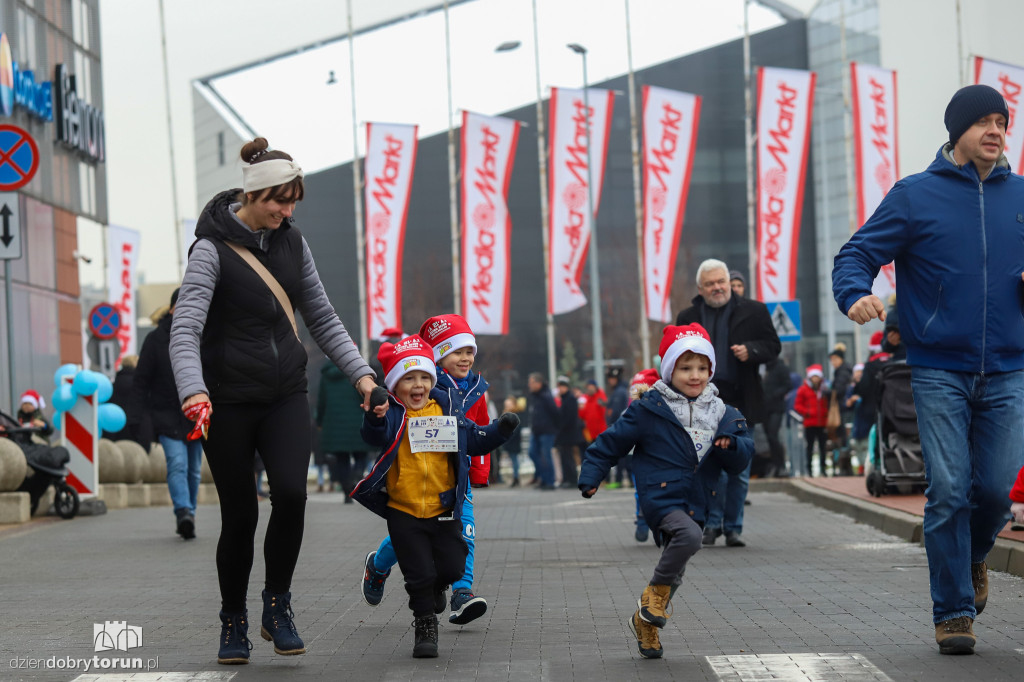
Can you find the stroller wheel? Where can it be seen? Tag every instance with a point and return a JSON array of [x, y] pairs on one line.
[[66, 501], [876, 483]]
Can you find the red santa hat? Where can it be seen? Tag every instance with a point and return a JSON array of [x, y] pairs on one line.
[[645, 377], [815, 371], [34, 398], [410, 354], [446, 333], [876, 341], [391, 333], [677, 339]]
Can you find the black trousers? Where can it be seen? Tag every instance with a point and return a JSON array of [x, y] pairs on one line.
[[279, 431], [817, 434], [431, 554], [567, 456]]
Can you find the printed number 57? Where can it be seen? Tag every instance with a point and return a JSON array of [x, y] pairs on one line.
[[431, 433]]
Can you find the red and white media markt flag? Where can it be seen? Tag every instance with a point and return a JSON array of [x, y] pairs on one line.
[[670, 137], [570, 222], [1008, 80], [876, 151], [488, 151], [122, 258], [390, 159], [784, 101]]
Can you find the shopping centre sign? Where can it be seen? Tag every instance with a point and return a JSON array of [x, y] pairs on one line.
[[80, 126]]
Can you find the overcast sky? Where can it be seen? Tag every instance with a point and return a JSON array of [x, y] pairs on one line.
[[399, 76]]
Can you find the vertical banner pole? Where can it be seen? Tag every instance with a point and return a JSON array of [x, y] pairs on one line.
[[638, 207], [452, 193], [748, 137], [357, 189]]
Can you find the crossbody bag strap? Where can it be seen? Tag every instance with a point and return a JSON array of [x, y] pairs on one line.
[[269, 280]]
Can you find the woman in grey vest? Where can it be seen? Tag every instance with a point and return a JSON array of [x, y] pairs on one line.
[[241, 375]]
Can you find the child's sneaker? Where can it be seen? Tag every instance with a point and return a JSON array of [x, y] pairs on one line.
[[426, 637], [647, 640], [466, 607], [653, 602], [373, 581]]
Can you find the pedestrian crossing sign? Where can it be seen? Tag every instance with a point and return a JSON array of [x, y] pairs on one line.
[[786, 319]]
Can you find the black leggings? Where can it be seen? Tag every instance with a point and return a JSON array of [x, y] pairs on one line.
[[431, 554], [817, 434], [280, 431]]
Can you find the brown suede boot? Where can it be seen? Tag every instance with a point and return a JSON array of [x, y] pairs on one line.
[[979, 578], [653, 603], [647, 640], [956, 635]]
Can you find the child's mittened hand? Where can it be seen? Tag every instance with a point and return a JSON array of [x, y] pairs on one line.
[[1017, 509], [587, 492], [507, 423], [379, 401], [724, 442]]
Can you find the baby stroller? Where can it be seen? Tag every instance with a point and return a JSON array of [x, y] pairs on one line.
[[48, 467], [896, 460]]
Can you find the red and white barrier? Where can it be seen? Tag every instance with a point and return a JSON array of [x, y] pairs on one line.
[[80, 434]]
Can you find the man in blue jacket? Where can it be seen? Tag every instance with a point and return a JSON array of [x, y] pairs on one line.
[[956, 232]]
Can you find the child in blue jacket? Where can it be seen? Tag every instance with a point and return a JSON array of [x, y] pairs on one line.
[[420, 479], [682, 436]]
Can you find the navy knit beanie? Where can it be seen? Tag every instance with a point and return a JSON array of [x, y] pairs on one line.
[[968, 105]]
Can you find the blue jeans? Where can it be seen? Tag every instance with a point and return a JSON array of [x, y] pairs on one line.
[[385, 557], [972, 437], [184, 469], [726, 509], [540, 453]]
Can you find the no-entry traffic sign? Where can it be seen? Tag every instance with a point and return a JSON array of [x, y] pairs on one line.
[[19, 157]]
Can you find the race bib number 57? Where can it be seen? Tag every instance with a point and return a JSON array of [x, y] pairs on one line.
[[434, 434]]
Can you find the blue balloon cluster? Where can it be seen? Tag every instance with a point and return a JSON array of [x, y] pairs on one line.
[[109, 417]]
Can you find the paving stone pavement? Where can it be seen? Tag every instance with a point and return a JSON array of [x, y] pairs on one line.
[[812, 596]]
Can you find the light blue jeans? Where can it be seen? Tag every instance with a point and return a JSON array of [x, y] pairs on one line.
[[385, 557], [726, 509], [972, 437], [184, 470]]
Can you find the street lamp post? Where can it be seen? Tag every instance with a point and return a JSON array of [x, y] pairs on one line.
[[595, 284]]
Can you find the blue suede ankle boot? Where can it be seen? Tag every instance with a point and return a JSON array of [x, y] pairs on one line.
[[234, 640], [279, 626]]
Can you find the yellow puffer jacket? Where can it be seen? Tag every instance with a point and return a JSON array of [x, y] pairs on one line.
[[415, 481]]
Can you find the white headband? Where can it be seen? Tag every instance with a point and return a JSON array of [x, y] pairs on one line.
[[270, 173]]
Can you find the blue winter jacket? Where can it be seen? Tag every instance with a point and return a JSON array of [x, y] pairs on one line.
[[668, 474], [387, 432], [958, 244], [463, 402]]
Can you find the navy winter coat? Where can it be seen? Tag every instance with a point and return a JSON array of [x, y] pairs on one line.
[[387, 433], [958, 244], [668, 473]]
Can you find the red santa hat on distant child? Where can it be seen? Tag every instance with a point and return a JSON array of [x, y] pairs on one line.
[[677, 339], [645, 377], [875, 344], [410, 354], [446, 333], [815, 371], [34, 398]]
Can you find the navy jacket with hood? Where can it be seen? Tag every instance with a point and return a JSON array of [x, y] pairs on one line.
[[668, 474], [387, 433], [958, 244]]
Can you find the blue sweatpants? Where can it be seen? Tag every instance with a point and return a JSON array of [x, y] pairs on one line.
[[385, 557]]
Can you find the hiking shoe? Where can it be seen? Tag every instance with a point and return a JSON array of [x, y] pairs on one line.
[[641, 533], [653, 602], [373, 581], [647, 640], [979, 578], [733, 539], [466, 607], [710, 535], [279, 624], [440, 601], [426, 637], [956, 635], [234, 638], [1016, 526]]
